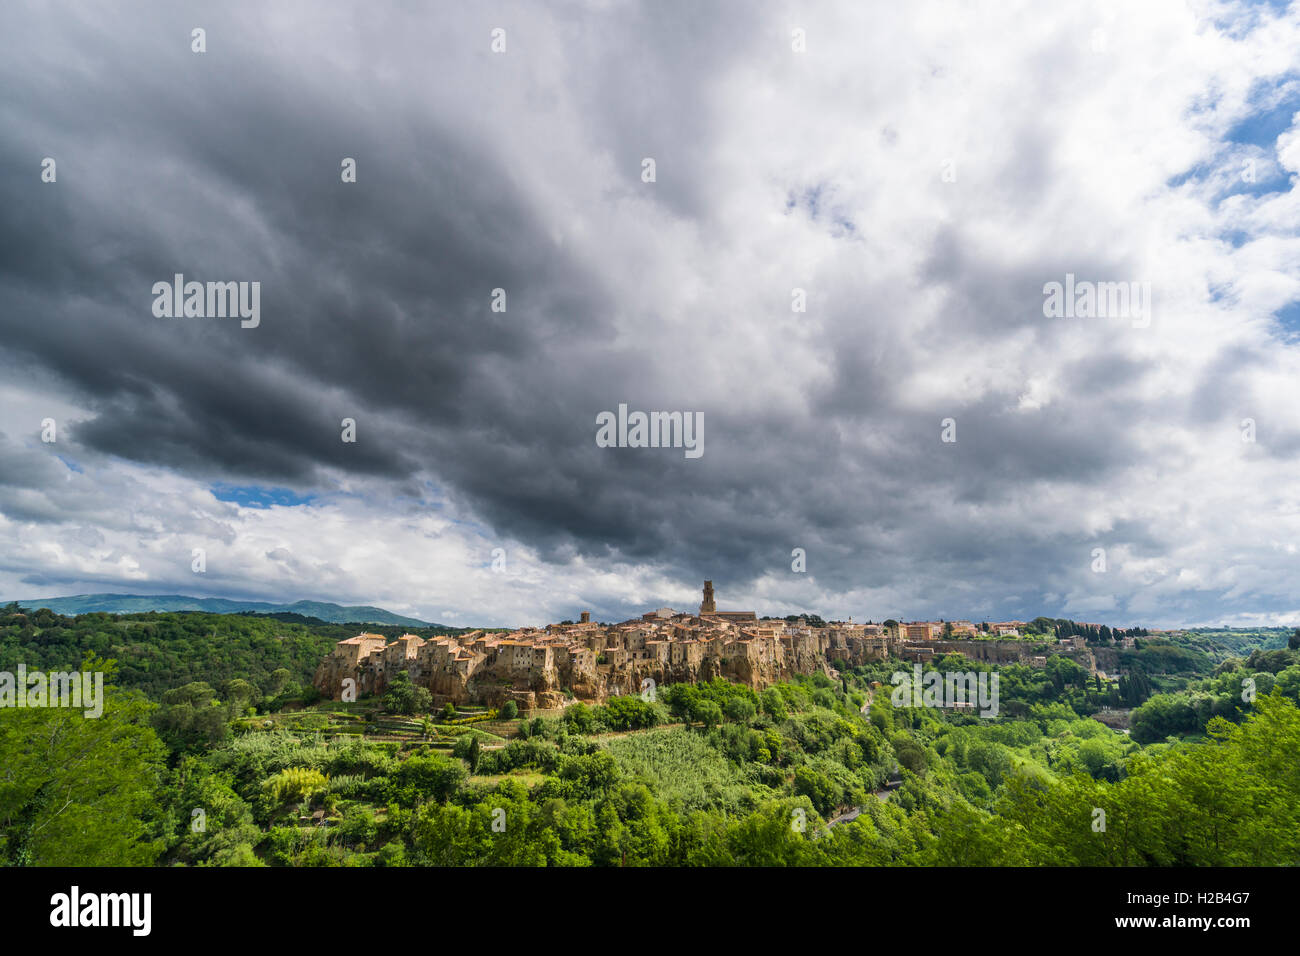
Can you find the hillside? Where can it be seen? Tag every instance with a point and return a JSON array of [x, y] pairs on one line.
[[814, 771], [159, 651], [141, 603], [1221, 643]]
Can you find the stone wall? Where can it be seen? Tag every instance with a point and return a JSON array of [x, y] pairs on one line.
[[536, 668]]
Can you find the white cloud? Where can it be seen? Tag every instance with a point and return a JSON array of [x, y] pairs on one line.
[[822, 171]]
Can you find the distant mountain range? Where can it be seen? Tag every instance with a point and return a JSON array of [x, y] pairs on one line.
[[138, 603]]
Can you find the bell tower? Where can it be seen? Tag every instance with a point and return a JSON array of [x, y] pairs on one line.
[[707, 606]]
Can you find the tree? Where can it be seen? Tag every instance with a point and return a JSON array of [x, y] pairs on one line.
[[1162, 716], [817, 787], [1293, 642], [280, 678], [509, 710], [679, 698], [403, 697], [740, 710], [910, 754], [706, 712], [78, 790], [580, 718], [774, 704], [631, 713], [434, 776], [294, 783], [240, 695], [191, 718], [473, 755]]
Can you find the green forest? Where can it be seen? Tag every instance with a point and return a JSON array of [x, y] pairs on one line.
[[214, 750]]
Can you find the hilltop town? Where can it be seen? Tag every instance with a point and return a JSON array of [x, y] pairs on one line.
[[541, 667]]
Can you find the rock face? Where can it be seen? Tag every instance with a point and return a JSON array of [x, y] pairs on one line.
[[1114, 718], [542, 668], [1003, 652]]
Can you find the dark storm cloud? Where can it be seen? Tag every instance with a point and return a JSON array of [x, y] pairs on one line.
[[379, 293], [375, 296]]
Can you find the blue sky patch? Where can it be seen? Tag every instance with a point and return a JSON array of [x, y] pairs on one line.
[[1289, 316], [257, 496], [1267, 123]]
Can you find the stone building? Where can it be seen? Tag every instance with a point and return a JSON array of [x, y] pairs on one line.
[[544, 667]]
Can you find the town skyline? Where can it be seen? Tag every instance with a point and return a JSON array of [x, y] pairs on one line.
[[544, 667], [135, 602]]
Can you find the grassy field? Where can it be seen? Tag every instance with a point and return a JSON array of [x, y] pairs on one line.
[[680, 766]]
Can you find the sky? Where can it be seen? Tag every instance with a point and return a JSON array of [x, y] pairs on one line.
[[922, 440]]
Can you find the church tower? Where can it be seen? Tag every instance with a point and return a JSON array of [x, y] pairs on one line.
[[707, 606]]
